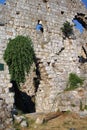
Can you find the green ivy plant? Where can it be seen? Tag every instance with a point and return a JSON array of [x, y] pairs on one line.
[[67, 29], [19, 56], [74, 81]]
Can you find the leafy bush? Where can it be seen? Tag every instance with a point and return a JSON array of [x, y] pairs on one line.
[[67, 29], [74, 81], [85, 107], [19, 56]]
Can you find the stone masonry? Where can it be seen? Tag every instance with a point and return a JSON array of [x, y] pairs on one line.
[[56, 56]]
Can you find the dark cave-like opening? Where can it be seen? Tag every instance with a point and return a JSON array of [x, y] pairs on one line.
[[23, 102]]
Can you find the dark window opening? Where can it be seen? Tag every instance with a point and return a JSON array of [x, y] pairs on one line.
[[1, 67], [62, 12], [48, 63], [17, 12]]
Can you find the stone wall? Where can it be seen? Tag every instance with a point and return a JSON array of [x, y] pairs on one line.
[[6, 97], [56, 57], [5, 116]]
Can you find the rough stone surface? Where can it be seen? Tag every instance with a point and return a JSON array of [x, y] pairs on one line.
[[83, 114], [5, 116], [54, 63], [23, 124], [28, 87], [39, 121]]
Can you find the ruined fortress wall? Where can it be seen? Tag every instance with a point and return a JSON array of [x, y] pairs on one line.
[[20, 17]]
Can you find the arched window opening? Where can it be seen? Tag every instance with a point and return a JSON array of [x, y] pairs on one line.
[[62, 12], [3, 2], [78, 25], [80, 21], [39, 26]]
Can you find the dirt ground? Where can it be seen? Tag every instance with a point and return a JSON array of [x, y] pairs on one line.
[[62, 122]]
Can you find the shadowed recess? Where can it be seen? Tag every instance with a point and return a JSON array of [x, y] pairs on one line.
[[23, 102]]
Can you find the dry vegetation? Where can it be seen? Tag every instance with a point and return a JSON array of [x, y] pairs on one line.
[[63, 122]]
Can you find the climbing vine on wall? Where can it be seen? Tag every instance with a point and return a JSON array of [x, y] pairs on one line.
[[19, 56]]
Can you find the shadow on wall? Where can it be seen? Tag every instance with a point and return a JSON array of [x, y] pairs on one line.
[[37, 79], [83, 57], [23, 101]]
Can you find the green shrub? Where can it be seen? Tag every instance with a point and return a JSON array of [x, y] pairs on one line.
[[74, 81], [67, 29], [19, 56], [73, 105], [85, 107]]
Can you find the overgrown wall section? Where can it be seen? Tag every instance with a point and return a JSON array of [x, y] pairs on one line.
[[56, 57]]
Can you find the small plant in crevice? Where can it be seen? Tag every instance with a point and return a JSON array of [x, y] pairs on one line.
[[19, 56], [74, 82], [68, 112], [67, 29], [16, 126], [73, 105], [81, 106]]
